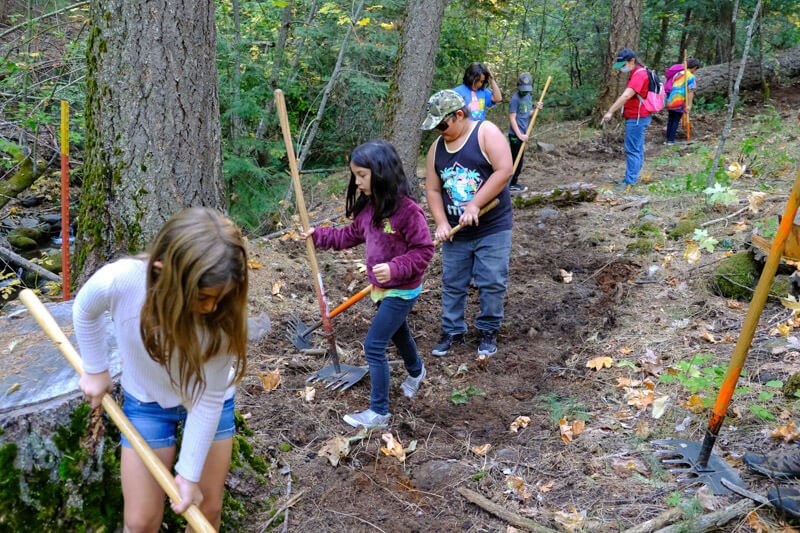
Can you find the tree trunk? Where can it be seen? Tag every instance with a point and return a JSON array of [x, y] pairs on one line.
[[152, 123], [623, 33], [410, 86], [283, 36], [662, 40], [237, 124], [726, 31], [684, 44], [713, 80]]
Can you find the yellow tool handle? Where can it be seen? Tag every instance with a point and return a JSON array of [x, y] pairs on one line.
[[193, 515]]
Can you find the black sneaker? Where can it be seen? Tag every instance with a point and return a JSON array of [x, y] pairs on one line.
[[488, 345], [785, 498], [445, 341], [782, 464]]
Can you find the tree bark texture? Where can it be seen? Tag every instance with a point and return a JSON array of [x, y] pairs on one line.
[[410, 86], [713, 80], [152, 123], [623, 32]]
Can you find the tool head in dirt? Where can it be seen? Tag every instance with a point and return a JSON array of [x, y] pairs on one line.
[[298, 333], [683, 455], [342, 380]]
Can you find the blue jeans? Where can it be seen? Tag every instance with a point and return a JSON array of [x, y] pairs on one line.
[[634, 147], [157, 425], [486, 260], [389, 324]]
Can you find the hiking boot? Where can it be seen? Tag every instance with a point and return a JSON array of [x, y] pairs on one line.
[[369, 419], [786, 499], [488, 344], [411, 385], [782, 464], [517, 188], [445, 341], [622, 186]]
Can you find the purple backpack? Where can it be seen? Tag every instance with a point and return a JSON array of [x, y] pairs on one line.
[[670, 73]]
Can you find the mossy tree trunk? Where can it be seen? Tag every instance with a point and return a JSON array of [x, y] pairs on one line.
[[411, 82], [623, 32], [152, 123]]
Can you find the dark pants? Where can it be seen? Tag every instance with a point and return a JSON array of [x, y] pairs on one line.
[[673, 122], [389, 324], [516, 144]]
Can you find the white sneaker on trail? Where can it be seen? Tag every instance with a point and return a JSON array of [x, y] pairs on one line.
[[411, 385], [369, 419]]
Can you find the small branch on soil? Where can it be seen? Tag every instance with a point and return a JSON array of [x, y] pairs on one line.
[[24, 263], [357, 518], [729, 280], [705, 224], [596, 272], [712, 520], [636, 203], [284, 507], [667, 517], [501, 512]]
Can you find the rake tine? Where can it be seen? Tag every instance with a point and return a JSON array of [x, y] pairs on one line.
[[675, 461], [313, 379]]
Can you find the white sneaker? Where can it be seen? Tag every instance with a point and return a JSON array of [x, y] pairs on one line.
[[369, 419], [411, 385]]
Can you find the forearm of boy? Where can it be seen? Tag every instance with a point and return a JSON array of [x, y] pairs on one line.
[[433, 194], [494, 144]]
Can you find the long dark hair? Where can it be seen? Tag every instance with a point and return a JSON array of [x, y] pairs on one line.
[[387, 180], [474, 72]]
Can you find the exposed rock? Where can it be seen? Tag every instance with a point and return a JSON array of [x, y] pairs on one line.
[[21, 243], [546, 147], [437, 474]]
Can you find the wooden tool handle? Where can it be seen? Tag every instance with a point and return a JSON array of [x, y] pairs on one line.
[[193, 514], [485, 209], [530, 126]]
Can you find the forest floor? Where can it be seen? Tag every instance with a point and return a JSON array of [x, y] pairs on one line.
[[646, 307]]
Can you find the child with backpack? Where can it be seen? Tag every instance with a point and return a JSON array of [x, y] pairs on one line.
[[680, 87], [635, 112], [180, 321], [398, 249]]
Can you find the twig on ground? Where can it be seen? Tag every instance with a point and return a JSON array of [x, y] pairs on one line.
[[357, 518], [712, 520], [667, 517], [286, 512], [729, 280], [291, 502], [705, 224], [501, 512], [596, 272]]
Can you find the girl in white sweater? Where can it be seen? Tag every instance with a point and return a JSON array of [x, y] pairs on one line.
[[180, 320]]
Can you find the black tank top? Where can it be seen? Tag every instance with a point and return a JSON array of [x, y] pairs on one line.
[[463, 173]]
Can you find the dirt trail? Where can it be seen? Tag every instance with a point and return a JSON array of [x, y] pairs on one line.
[[615, 303]]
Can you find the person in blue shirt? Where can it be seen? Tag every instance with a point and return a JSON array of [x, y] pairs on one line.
[[475, 93]]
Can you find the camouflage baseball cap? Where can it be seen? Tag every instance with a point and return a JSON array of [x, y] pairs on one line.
[[439, 105]]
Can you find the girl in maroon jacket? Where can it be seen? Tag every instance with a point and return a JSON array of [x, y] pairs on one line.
[[399, 248]]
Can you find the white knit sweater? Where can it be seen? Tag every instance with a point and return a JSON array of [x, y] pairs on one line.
[[119, 287]]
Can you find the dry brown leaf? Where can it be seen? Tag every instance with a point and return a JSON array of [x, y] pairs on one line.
[[692, 253], [788, 432], [626, 382], [393, 447], [695, 404], [334, 449], [547, 487], [481, 450], [707, 500], [640, 398], [272, 380], [709, 337], [577, 427], [755, 199], [512, 529], [571, 521], [736, 410], [307, 394], [781, 329], [520, 422], [643, 430], [517, 484], [754, 522], [566, 276], [570, 431], [733, 304], [667, 260], [276, 288], [253, 264], [625, 350], [659, 406], [651, 364], [625, 467], [735, 170], [600, 362]]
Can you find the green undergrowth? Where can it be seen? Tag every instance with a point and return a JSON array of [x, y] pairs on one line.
[[59, 483]]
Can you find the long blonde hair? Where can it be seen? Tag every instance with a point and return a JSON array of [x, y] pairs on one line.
[[197, 248]]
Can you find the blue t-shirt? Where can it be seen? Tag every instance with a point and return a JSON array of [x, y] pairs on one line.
[[522, 106], [477, 101]]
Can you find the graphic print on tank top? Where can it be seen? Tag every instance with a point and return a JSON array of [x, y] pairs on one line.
[[461, 184]]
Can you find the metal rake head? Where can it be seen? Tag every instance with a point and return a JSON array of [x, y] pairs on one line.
[[684, 453], [298, 333], [349, 376]]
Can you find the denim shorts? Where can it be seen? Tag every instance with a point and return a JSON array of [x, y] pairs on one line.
[[158, 426]]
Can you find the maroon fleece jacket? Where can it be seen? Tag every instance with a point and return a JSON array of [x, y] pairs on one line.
[[403, 241]]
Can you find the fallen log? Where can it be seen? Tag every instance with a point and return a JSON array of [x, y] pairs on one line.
[[713, 520], [566, 195], [667, 517], [502, 513], [713, 79], [18, 260]]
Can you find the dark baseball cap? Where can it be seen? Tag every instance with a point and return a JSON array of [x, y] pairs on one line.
[[625, 55], [524, 82]]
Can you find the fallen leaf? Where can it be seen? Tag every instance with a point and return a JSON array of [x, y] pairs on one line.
[[547, 487], [566, 276], [707, 336], [509, 529], [570, 431], [781, 329], [307, 394], [253, 264], [393, 447], [692, 253], [754, 199], [600, 362], [626, 382], [517, 484], [640, 398], [667, 260], [695, 404], [481, 451], [790, 302], [642, 429], [361, 267], [651, 364], [788, 432], [735, 170], [625, 350], [736, 410], [271, 380], [335, 448], [572, 521], [625, 467], [754, 522], [733, 304], [276, 288], [659, 406], [707, 500], [520, 422]]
